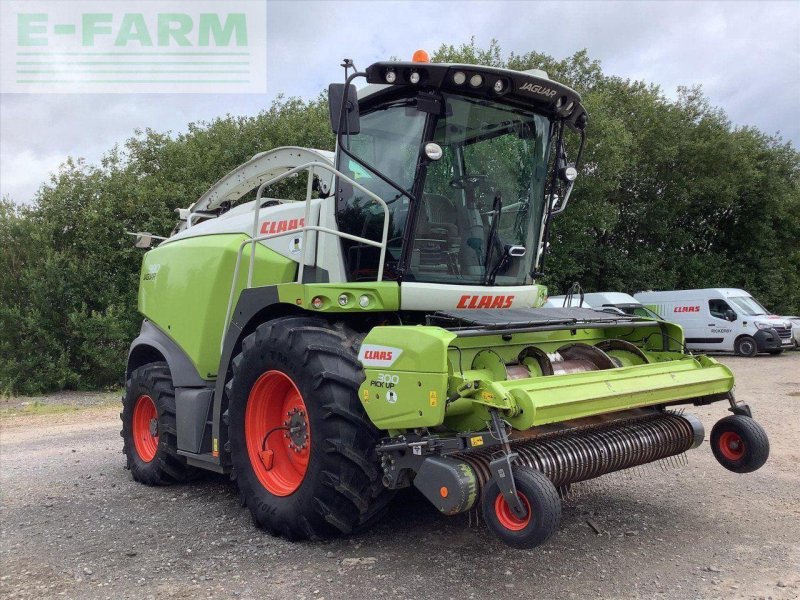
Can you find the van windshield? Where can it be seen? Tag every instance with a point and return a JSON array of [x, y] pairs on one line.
[[636, 310], [748, 305]]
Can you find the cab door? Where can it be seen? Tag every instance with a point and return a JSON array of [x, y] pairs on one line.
[[719, 328]]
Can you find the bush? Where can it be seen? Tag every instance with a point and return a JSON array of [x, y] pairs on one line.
[[671, 195]]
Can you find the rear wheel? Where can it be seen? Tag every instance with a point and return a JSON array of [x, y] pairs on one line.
[[739, 444], [538, 495], [745, 346], [302, 449], [149, 429]]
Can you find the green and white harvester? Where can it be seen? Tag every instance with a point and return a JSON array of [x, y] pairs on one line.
[[386, 330]]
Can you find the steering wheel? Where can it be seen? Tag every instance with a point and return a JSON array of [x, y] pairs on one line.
[[469, 181]]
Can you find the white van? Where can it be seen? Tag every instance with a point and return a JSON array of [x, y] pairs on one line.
[[560, 302], [624, 302], [721, 320]]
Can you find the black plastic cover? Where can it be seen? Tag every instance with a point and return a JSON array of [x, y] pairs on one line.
[[526, 317]]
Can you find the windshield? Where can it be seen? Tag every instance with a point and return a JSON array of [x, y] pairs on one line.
[[485, 194], [748, 305], [636, 310]]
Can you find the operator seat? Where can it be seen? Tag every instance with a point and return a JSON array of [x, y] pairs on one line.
[[438, 242]]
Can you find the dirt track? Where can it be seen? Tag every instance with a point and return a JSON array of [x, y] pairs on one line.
[[75, 525]]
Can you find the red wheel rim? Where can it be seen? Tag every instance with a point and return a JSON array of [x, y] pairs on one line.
[[145, 428], [280, 462], [507, 517], [731, 445]]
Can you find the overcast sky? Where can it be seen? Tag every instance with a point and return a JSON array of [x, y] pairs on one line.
[[746, 55]]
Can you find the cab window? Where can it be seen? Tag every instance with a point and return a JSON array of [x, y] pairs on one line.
[[719, 309]]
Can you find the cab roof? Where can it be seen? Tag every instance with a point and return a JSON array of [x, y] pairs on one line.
[[531, 88]]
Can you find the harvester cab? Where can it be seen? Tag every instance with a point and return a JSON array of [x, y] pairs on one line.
[[462, 157], [387, 330]]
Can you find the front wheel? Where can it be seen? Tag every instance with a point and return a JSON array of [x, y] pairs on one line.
[[745, 346], [538, 495], [302, 448]]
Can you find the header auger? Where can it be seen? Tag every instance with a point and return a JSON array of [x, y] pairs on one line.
[[386, 331]]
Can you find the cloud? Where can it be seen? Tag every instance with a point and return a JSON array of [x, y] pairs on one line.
[[745, 55]]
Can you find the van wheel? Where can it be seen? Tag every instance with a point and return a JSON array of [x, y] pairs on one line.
[[745, 346]]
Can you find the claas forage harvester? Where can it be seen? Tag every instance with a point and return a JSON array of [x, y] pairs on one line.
[[384, 329]]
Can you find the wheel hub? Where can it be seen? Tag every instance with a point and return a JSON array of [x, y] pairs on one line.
[[731, 445], [297, 433], [279, 461], [144, 428]]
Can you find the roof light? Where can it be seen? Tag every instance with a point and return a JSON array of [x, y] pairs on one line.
[[421, 56], [459, 77], [317, 302], [476, 80], [343, 299], [363, 301], [414, 77], [391, 77], [499, 86]]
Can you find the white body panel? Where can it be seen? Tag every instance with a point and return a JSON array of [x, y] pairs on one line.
[[609, 298], [558, 302], [703, 330], [273, 219], [440, 296]]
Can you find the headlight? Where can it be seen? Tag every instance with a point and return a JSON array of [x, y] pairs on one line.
[[760, 325]]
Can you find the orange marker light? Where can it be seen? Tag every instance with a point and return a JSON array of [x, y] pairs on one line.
[[421, 56], [443, 492]]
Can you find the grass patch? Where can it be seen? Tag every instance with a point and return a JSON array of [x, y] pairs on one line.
[[37, 407]]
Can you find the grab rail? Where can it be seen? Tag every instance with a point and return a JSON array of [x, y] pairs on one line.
[[255, 238]]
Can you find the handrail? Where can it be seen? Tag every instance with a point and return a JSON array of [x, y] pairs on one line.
[[255, 238]]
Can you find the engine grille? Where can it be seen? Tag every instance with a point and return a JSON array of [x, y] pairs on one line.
[[783, 332]]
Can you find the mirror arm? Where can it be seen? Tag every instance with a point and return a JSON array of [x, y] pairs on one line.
[[563, 204]]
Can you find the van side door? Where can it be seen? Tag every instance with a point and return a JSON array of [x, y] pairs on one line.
[[720, 334], [688, 314]]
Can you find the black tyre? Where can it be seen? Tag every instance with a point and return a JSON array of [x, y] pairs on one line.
[[149, 432], [739, 444], [321, 476], [745, 346], [541, 498]]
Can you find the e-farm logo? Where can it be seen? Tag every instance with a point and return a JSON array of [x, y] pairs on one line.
[[153, 46]]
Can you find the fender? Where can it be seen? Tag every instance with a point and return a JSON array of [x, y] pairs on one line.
[[184, 374], [251, 302]]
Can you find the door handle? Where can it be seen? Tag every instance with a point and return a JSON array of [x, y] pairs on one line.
[[711, 324]]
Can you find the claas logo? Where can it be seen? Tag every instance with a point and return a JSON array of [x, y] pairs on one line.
[[270, 227], [468, 301], [378, 355], [682, 309]]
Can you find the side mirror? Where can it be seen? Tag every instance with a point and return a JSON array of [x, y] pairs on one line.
[[730, 315], [143, 240], [336, 97]]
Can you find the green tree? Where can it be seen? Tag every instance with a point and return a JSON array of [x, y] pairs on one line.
[[671, 195]]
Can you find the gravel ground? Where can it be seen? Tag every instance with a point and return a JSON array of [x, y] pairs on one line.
[[74, 524]]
